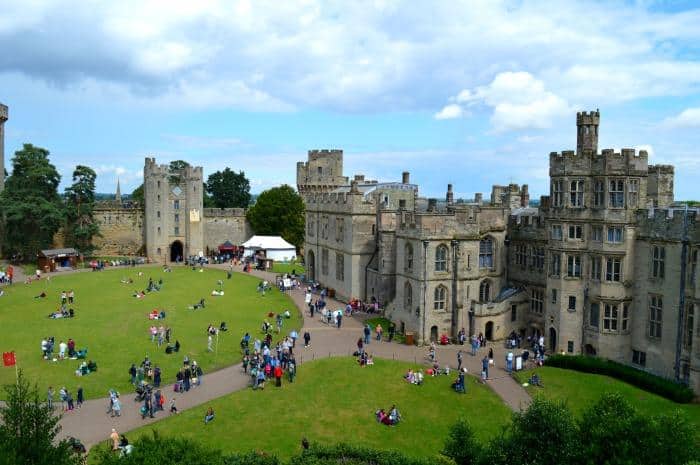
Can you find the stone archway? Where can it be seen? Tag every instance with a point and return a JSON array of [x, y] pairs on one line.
[[488, 334], [311, 266], [433, 333], [176, 251], [553, 340]]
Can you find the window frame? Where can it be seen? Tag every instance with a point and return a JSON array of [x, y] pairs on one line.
[[658, 262], [440, 298], [487, 253], [576, 190], [655, 317], [616, 193], [573, 266], [613, 269], [441, 252]]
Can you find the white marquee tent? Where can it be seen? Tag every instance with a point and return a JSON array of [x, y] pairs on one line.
[[274, 247]]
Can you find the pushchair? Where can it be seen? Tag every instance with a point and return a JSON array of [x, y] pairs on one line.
[[142, 390]]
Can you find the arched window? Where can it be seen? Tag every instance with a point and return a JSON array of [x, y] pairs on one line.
[[407, 296], [486, 253], [485, 291], [408, 257], [440, 302], [441, 258]]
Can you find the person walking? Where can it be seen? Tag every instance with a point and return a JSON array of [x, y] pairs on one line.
[[339, 320], [392, 331], [307, 339], [173, 407], [509, 362], [49, 397], [210, 342], [485, 368], [367, 332], [80, 397], [459, 360], [378, 330]]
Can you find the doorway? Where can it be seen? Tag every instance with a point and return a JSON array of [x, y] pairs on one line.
[[433, 334], [311, 266], [176, 250], [552, 340], [489, 331]]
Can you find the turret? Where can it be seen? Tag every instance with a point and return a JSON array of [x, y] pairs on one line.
[[587, 131], [449, 197], [3, 118], [118, 195]]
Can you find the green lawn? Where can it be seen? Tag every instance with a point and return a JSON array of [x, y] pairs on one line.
[[113, 325], [580, 390], [288, 267], [334, 400]]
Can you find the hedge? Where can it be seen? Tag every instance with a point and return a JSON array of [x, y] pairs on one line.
[[641, 379]]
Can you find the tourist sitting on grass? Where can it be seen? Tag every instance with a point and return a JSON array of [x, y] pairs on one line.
[[139, 294], [382, 417], [535, 380], [216, 293], [127, 281], [59, 314], [198, 305], [41, 296], [418, 378], [458, 384], [394, 415], [209, 416]]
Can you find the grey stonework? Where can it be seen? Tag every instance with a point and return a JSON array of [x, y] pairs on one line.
[[582, 269], [3, 119]]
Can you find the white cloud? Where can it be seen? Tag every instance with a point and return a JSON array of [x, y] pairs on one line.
[[276, 56], [518, 101], [450, 111], [688, 118]]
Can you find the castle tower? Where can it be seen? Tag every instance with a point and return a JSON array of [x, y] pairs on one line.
[[173, 211], [323, 172], [587, 131], [3, 118], [118, 196]]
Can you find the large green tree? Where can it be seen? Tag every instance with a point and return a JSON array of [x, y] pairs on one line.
[[279, 211], [30, 203], [137, 194], [81, 226], [28, 429], [229, 189], [176, 168]]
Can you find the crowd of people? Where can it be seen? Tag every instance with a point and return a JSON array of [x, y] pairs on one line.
[[266, 363]]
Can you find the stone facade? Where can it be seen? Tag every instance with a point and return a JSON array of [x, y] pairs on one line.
[[605, 265], [225, 224]]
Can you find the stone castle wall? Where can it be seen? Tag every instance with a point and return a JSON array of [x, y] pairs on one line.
[[225, 224]]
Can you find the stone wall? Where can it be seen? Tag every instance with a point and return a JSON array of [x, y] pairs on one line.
[[121, 230], [225, 224]]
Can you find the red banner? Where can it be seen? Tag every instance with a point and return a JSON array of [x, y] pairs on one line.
[[8, 359]]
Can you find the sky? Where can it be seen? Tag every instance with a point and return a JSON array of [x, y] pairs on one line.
[[471, 93]]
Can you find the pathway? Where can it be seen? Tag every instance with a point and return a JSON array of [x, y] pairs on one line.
[[92, 425]]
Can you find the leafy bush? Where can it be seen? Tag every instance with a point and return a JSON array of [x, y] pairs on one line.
[[345, 454], [461, 445], [641, 379]]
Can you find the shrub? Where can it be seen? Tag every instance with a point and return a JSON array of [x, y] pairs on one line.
[[345, 454], [641, 379], [461, 445]]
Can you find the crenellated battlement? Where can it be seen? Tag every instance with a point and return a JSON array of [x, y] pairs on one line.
[[223, 212], [605, 162], [588, 117], [669, 224], [325, 153]]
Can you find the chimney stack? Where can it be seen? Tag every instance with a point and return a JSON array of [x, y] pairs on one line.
[[432, 205], [450, 197], [406, 177]]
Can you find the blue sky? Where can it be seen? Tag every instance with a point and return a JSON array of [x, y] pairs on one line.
[[471, 93]]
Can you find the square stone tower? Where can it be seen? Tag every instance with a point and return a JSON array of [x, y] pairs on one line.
[[3, 118], [173, 223]]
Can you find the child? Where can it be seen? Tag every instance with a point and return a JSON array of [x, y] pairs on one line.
[[173, 407]]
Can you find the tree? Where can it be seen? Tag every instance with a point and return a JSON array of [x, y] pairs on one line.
[[176, 169], [137, 194], [279, 211], [81, 226], [30, 203], [28, 429], [524, 441], [461, 445], [229, 189]]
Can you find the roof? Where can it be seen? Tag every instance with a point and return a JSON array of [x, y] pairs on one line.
[[57, 252], [267, 242]]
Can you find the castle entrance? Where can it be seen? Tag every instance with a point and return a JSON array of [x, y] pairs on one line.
[[489, 331], [311, 266], [552, 340], [176, 250]]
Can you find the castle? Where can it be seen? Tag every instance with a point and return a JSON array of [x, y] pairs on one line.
[[605, 265], [172, 223]]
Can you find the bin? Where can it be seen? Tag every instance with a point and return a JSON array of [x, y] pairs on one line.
[[409, 338]]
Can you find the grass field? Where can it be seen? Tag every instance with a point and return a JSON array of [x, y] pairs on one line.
[[113, 325], [288, 267], [334, 400], [580, 390]]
